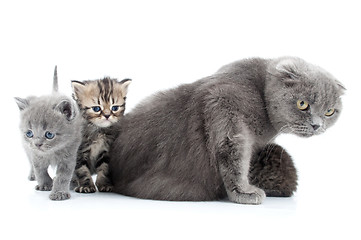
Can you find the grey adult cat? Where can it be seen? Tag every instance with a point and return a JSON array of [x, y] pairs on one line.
[[51, 132], [213, 138]]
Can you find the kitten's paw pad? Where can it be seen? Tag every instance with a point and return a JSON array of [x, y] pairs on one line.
[[58, 196], [106, 188], [43, 187], [256, 197], [85, 189]]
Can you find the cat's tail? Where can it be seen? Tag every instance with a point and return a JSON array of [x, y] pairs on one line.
[[55, 80]]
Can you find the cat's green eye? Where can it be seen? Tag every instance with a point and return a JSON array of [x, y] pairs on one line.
[[330, 112], [303, 105]]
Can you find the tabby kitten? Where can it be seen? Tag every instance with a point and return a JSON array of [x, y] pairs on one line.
[[214, 138], [102, 103], [51, 130]]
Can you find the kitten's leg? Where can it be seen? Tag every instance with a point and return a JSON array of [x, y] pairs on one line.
[[234, 156], [45, 182], [62, 180], [83, 174], [85, 181], [103, 181], [31, 176], [273, 170]]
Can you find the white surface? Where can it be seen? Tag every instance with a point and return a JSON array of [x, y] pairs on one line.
[[160, 44]]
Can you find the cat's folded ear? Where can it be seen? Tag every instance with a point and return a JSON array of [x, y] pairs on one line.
[[78, 88], [341, 87], [288, 71], [66, 108], [22, 103], [124, 85]]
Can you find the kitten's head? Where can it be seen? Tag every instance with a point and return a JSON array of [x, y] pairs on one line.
[[302, 98], [46, 122], [101, 101]]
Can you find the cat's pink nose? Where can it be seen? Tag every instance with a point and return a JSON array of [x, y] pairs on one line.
[[38, 145], [106, 116]]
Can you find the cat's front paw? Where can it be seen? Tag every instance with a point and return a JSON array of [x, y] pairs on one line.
[[58, 196], [105, 188], [85, 189], [45, 187], [104, 184], [256, 196]]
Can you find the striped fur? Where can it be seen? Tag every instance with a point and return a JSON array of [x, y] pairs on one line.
[[107, 96]]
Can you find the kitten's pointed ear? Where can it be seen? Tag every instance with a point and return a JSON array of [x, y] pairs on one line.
[[124, 85], [22, 103], [289, 71], [66, 108], [78, 88]]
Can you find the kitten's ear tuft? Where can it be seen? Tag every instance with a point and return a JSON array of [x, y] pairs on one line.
[[124, 85], [66, 108], [289, 71], [22, 103], [78, 88]]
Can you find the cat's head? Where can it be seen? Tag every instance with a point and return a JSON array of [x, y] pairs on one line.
[[46, 122], [302, 98], [101, 101]]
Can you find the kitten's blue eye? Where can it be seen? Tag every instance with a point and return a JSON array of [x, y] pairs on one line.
[[49, 135], [115, 108], [29, 134], [96, 109]]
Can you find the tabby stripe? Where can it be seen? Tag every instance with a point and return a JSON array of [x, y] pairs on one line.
[[81, 163], [104, 159]]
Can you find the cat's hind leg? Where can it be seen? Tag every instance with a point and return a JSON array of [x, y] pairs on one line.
[[273, 170]]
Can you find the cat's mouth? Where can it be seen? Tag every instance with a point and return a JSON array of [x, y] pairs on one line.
[[103, 122], [306, 130]]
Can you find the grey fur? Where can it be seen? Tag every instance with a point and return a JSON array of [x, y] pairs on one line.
[[59, 115], [196, 142]]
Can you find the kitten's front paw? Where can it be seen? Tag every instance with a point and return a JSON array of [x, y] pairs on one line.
[[43, 187], [105, 188], [85, 189], [256, 196], [58, 196], [104, 184]]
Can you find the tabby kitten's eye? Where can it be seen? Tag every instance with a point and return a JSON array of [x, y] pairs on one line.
[[303, 105], [49, 135], [330, 112], [115, 108], [96, 109], [29, 134]]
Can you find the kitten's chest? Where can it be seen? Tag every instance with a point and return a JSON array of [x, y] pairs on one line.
[[98, 144]]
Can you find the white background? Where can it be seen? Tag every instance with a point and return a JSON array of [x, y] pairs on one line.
[[161, 44]]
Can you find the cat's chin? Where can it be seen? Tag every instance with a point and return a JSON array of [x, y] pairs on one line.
[[103, 124]]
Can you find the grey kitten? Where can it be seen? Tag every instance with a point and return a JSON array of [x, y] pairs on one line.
[[51, 131], [213, 138]]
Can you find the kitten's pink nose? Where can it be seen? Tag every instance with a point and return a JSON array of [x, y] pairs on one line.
[[106, 116], [38, 145]]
